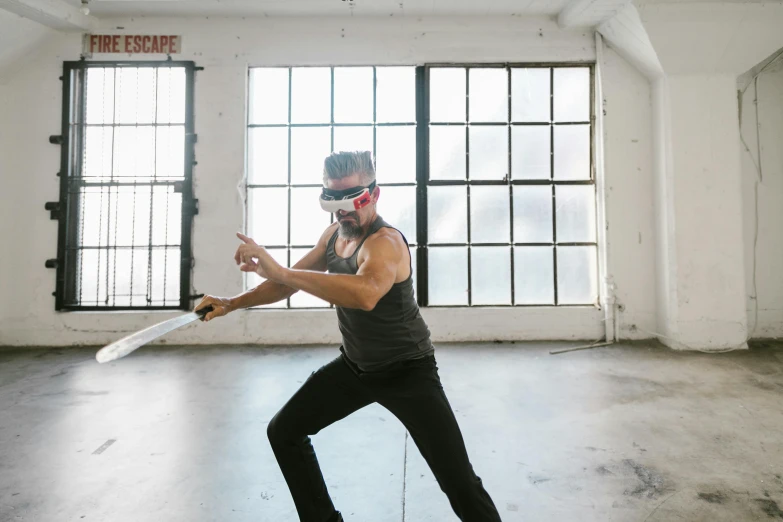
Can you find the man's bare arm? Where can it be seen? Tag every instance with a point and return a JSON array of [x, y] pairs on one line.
[[270, 291], [376, 275]]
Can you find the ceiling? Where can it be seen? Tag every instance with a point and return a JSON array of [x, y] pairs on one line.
[[102, 8], [707, 1]]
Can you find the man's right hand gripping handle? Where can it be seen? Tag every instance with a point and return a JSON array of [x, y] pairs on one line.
[[220, 306]]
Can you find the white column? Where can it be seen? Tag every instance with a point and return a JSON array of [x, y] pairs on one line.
[[701, 280]]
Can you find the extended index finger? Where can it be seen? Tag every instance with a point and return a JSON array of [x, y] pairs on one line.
[[246, 239]]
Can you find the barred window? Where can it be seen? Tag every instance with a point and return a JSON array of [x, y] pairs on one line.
[[126, 202]]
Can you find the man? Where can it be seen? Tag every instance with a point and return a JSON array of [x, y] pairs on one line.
[[386, 356]]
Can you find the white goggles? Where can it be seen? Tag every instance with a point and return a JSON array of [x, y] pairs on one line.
[[349, 200]]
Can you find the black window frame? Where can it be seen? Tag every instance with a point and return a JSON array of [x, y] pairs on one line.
[[288, 246], [424, 181], [422, 124], [66, 211]]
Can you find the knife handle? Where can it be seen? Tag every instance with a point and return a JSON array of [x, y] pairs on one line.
[[204, 311]]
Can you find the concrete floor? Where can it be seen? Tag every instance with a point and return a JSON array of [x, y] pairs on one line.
[[626, 433]]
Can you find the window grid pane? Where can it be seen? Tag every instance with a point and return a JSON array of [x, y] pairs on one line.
[[545, 144], [311, 112], [546, 147]]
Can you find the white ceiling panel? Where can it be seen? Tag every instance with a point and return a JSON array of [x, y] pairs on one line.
[[642, 2], [323, 7]]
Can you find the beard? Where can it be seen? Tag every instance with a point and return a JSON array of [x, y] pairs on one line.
[[350, 229]]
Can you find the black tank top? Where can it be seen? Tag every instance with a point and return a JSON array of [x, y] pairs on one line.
[[393, 331]]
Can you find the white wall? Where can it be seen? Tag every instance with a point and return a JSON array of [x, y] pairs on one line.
[[692, 53], [700, 265], [769, 250], [708, 208], [18, 36], [5, 210], [225, 48], [665, 230], [627, 110]]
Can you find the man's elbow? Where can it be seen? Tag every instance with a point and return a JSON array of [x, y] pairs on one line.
[[368, 303]]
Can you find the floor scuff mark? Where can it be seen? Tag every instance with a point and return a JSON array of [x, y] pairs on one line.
[[104, 446]]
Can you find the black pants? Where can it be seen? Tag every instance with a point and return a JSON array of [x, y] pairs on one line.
[[412, 391]]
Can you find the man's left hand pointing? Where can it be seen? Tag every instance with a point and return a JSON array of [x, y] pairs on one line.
[[254, 258]]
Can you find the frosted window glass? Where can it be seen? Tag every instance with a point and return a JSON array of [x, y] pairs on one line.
[[572, 94], [397, 205], [395, 93], [531, 152], [532, 214], [530, 95], [166, 216], [308, 220], [169, 152], [171, 95], [134, 95], [268, 215], [309, 148], [311, 95], [489, 214], [572, 152], [575, 213], [448, 276], [447, 94], [100, 101], [353, 94], [490, 275], [447, 152], [488, 152], [447, 212], [576, 275], [534, 276], [488, 95], [268, 95], [395, 160], [352, 139], [267, 155]]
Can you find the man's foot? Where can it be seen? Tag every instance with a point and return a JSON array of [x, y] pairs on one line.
[[337, 517]]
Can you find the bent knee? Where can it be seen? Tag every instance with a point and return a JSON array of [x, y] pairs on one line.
[[281, 430], [274, 430]]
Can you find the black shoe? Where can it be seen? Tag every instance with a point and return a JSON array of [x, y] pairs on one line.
[[337, 517]]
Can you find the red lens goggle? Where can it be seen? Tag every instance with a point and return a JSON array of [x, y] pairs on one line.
[[348, 200]]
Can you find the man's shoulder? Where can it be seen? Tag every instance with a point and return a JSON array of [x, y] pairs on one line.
[[387, 234], [386, 240]]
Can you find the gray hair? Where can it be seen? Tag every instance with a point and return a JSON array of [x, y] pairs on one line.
[[339, 165]]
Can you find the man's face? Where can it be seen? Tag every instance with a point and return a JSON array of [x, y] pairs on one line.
[[351, 223]]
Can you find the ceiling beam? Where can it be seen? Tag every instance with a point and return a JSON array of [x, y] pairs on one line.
[[627, 35], [56, 14], [589, 13]]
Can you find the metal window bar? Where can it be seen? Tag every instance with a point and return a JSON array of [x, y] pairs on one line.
[[332, 125], [425, 181], [78, 189]]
